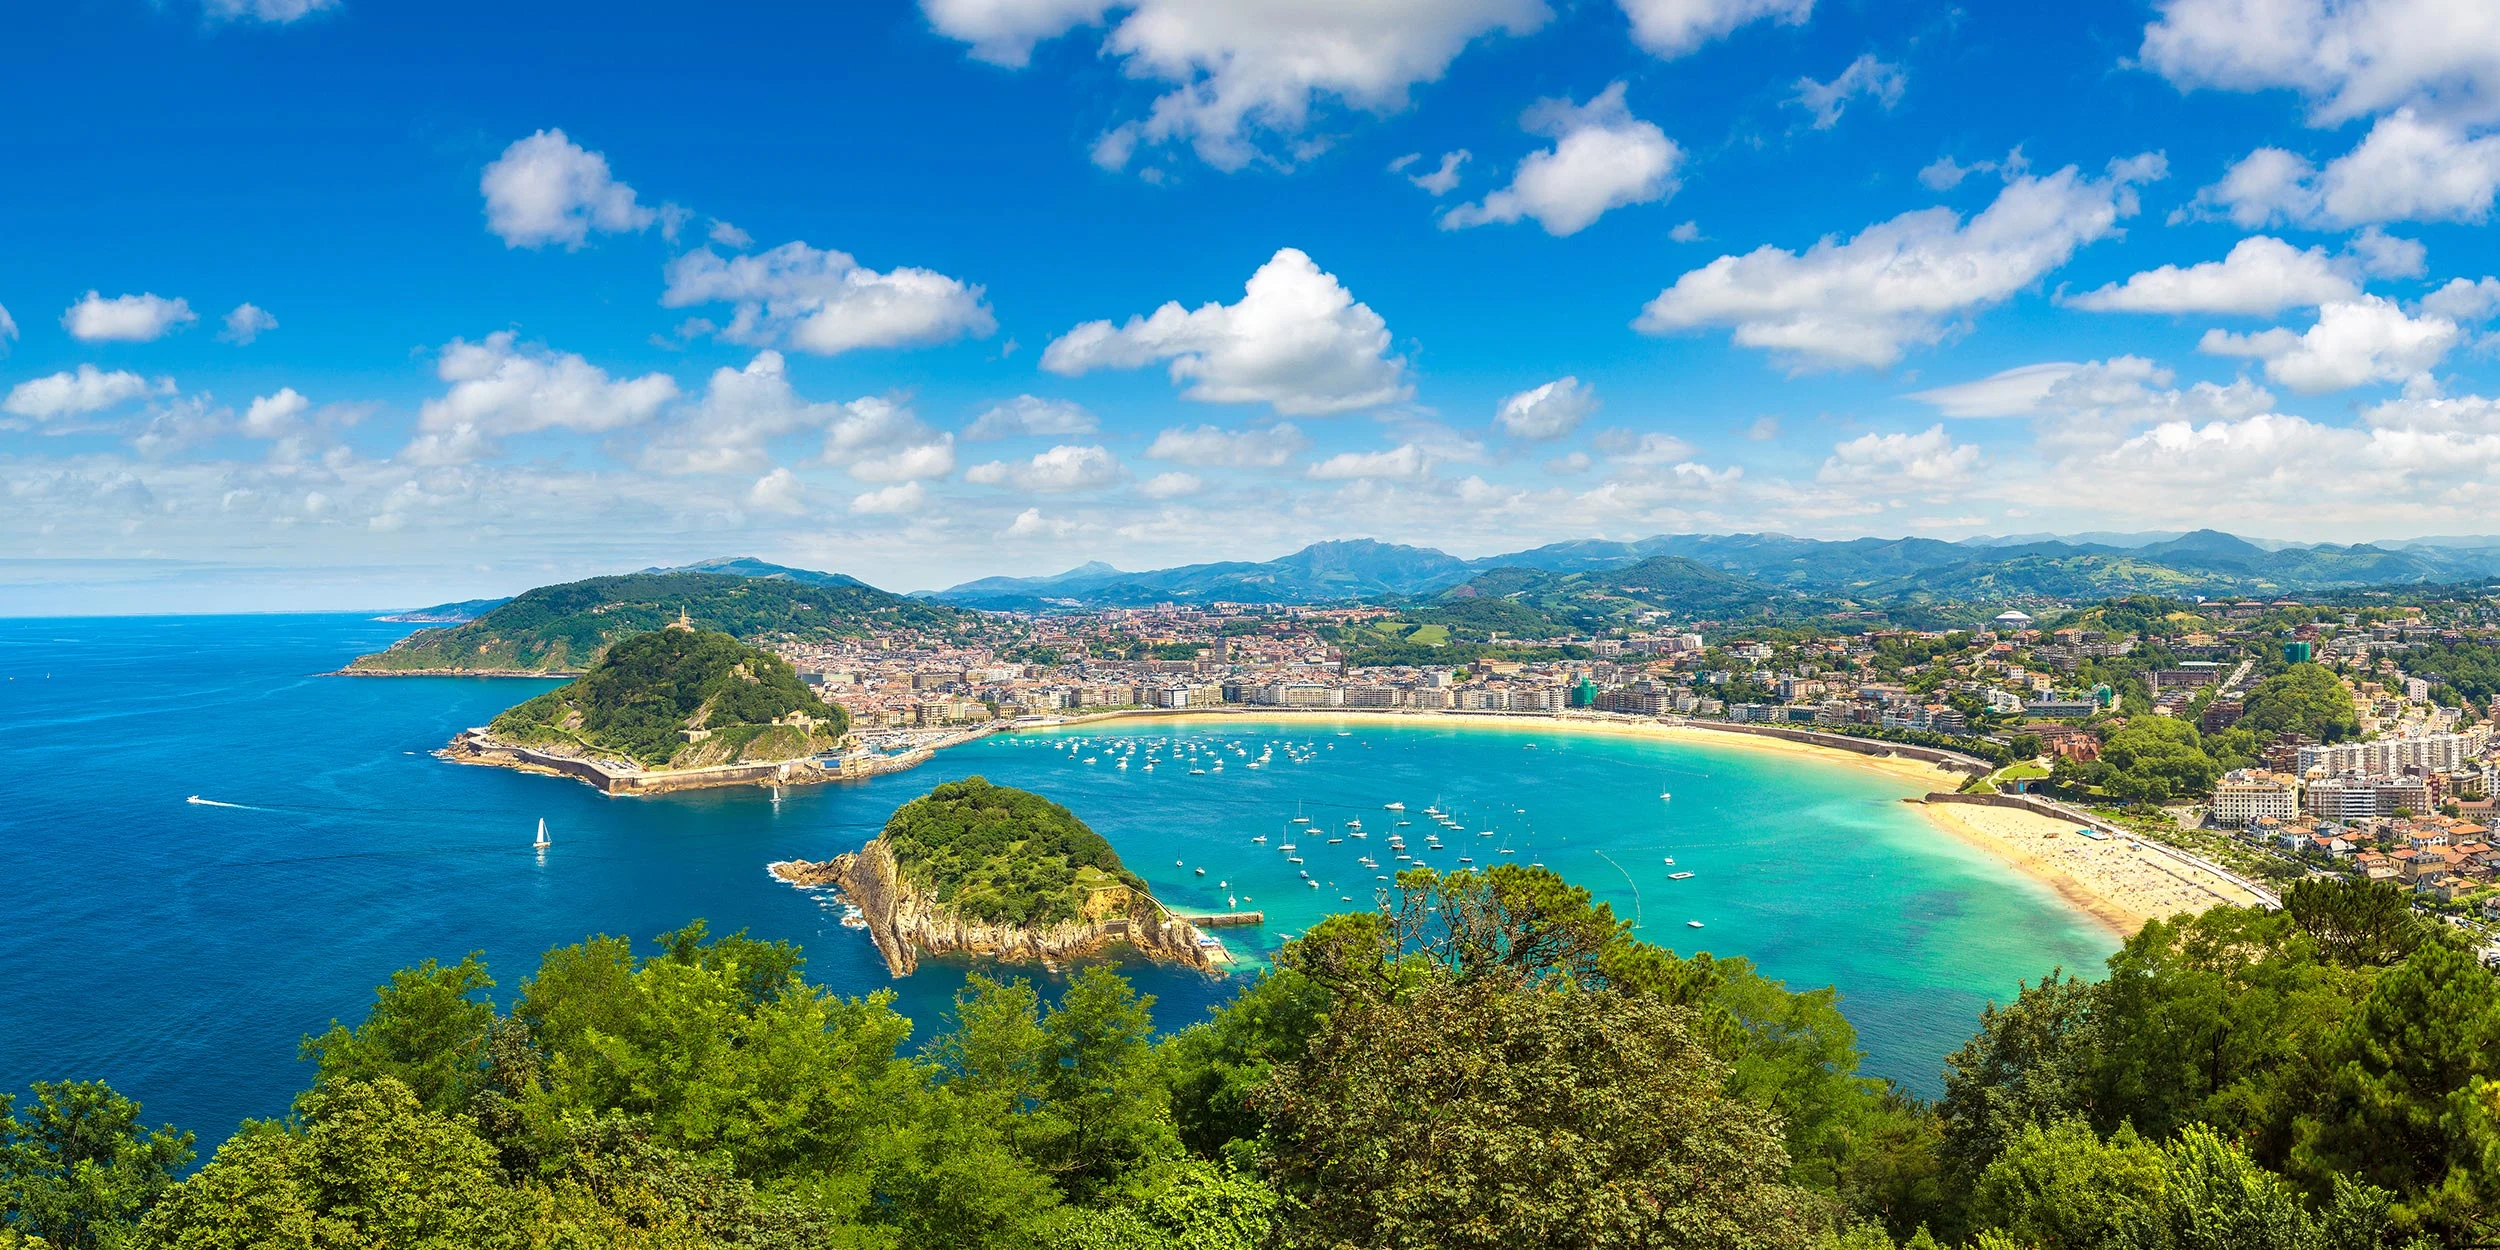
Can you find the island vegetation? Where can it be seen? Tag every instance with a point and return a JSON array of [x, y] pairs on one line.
[[565, 628], [980, 869], [1490, 1060], [679, 698], [995, 853]]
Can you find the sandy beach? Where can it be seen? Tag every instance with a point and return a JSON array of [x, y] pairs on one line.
[[2115, 884], [2119, 885]]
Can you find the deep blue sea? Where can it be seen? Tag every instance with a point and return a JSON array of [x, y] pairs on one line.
[[180, 950]]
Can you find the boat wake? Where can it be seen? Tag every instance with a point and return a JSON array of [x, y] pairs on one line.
[[197, 801]]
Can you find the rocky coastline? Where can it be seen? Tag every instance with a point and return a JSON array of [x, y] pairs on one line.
[[906, 924]]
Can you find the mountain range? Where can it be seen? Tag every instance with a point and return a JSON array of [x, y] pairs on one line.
[[1703, 573], [1868, 570]]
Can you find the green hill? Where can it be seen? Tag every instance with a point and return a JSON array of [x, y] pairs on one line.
[[564, 628], [1002, 855], [680, 698], [1598, 598]]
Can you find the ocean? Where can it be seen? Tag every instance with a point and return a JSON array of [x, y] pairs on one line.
[[180, 949]]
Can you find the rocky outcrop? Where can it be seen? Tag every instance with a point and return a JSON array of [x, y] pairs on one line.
[[907, 924]]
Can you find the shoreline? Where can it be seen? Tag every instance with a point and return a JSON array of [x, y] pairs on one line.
[[1884, 758], [2120, 882], [2114, 885]]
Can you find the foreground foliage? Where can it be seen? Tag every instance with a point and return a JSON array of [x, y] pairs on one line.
[[1489, 1060]]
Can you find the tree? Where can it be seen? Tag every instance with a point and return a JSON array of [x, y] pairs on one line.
[[78, 1167], [2060, 1187], [1215, 1067], [2411, 1102], [370, 1166], [2156, 759], [427, 1030], [2357, 923], [2028, 1067], [1484, 1114], [2303, 699], [1080, 1091]]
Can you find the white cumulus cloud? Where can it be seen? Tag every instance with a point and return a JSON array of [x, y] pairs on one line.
[[1030, 523], [500, 387], [1869, 76], [825, 302], [1549, 411], [1602, 158], [8, 330], [1297, 341], [730, 428], [1026, 416], [125, 318], [778, 491], [2465, 300], [1063, 468], [1900, 282], [1925, 460], [1242, 72], [1212, 447], [2351, 58], [1440, 181], [548, 189], [246, 323], [905, 497], [1171, 485], [2408, 168], [71, 393], [1671, 28], [275, 416], [2260, 276], [2370, 339], [1405, 462]]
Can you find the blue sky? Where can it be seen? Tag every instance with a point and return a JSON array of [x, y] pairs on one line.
[[348, 303]]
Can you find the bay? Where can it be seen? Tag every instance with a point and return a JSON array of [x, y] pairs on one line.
[[181, 949]]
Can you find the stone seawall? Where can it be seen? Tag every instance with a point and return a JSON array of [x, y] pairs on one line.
[[2060, 811], [476, 747], [905, 925], [1937, 756]]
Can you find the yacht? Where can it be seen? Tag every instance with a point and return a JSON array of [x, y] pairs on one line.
[[1393, 807], [1679, 876], [542, 843]]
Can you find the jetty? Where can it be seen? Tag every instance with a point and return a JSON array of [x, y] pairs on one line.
[[1225, 919]]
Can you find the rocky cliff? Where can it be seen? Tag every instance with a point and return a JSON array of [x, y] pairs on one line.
[[907, 924]]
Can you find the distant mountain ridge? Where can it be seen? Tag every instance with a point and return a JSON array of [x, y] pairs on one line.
[[2206, 562], [1747, 572]]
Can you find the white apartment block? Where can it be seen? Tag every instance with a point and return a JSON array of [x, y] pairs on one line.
[[2247, 796], [2388, 756]]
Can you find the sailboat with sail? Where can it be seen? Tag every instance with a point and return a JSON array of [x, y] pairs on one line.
[[542, 843]]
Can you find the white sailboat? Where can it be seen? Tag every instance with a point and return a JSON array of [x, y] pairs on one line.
[[542, 843]]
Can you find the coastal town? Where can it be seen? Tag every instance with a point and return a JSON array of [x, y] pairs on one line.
[[2273, 739]]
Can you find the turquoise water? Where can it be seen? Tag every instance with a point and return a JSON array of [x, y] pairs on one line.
[[180, 949]]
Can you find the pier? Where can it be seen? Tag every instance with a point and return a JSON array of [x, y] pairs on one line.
[[1227, 919]]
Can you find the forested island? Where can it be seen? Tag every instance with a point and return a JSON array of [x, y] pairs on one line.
[[561, 629], [1490, 1060], [676, 699], [980, 869]]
